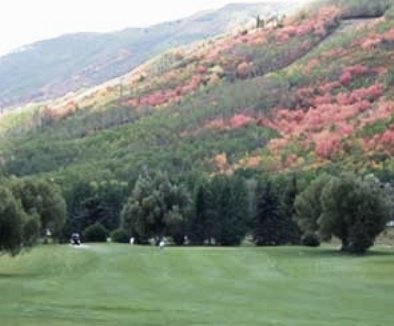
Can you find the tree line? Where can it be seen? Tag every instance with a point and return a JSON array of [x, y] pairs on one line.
[[223, 210]]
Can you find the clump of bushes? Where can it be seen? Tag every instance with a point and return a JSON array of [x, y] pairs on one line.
[[310, 239], [95, 233], [119, 236]]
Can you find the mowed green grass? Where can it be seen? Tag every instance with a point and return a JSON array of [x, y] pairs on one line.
[[113, 284]]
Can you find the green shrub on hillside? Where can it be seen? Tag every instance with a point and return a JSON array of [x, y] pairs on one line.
[[378, 127]]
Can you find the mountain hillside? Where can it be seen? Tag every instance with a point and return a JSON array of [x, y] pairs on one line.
[[310, 91], [55, 67]]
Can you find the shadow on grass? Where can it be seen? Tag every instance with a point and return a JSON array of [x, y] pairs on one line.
[[325, 251], [336, 253], [378, 252], [10, 275]]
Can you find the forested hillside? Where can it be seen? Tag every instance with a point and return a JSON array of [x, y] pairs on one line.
[[300, 92]]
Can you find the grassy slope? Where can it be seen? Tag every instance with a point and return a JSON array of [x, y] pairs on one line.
[[122, 285]]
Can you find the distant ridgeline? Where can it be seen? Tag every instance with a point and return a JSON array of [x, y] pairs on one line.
[[55, 67]]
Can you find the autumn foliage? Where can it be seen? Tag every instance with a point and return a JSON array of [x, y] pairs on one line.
[[322, 86]]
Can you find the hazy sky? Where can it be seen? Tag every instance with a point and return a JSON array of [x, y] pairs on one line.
[[27, 21]]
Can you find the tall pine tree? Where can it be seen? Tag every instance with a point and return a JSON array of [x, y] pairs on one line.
[[268, 223], [291, 231], [202, 224], [232, 210]]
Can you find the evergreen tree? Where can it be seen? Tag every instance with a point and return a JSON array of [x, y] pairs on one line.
[[231, 206], [291, 231], [199, 226], [289, 196], [268, 223]]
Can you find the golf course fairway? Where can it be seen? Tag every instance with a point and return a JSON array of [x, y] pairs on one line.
[[112, 284]]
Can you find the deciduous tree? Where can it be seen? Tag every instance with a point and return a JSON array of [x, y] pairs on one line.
[[11, 223], [308, 207], [156, 208], [353, 209], [43, 199]]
